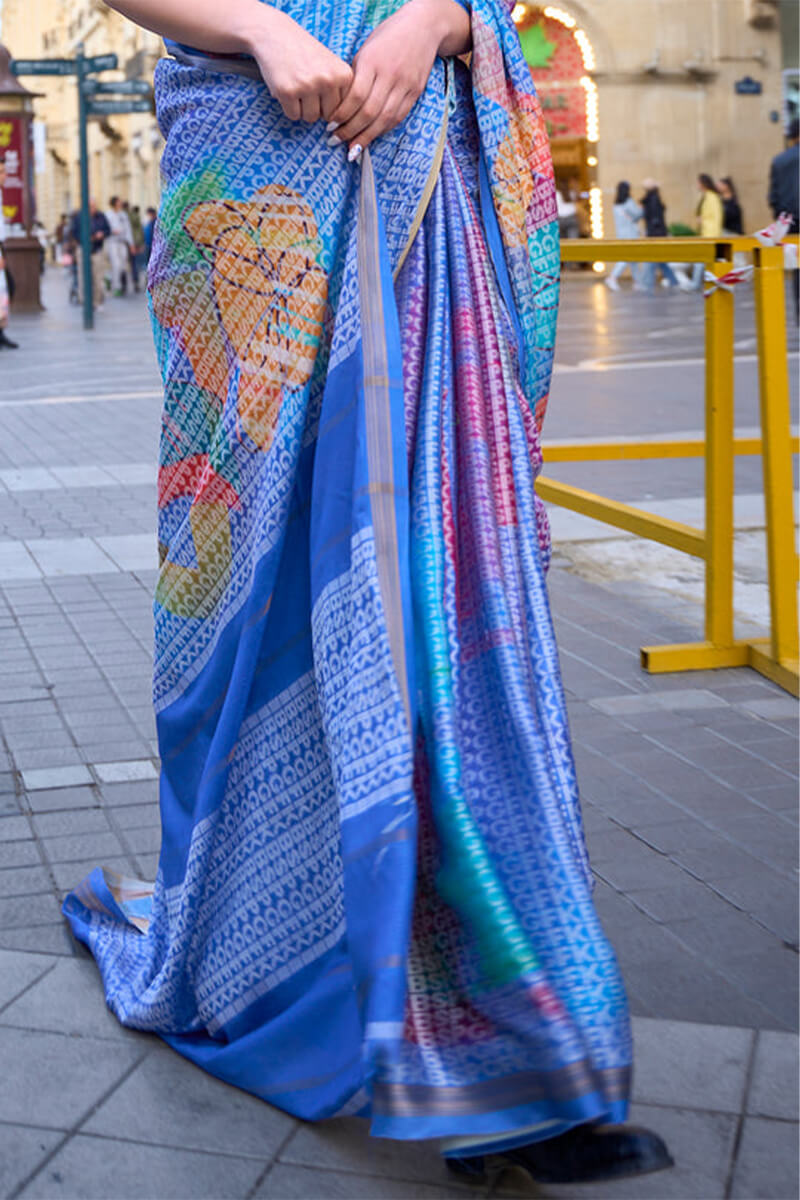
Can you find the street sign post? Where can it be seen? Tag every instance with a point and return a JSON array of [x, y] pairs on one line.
[[101, 62], [125, 87], [105, 108], [44, 66], [136, 97]]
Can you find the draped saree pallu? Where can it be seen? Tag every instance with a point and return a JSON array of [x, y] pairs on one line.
[[373, 895]]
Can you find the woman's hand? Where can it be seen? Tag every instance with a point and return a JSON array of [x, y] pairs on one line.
[[308, 80], [392, 68]]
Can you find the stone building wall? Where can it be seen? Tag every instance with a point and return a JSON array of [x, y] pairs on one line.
[[664, 70], [123, 150], [665, 75]]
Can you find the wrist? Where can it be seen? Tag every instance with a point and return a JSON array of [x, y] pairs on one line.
[[250, 22], [437, 21]]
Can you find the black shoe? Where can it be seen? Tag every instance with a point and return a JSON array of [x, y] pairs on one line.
[[585, 1154], [6, 341]]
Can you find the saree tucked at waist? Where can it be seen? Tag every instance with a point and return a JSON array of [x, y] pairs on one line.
[[373, 894]]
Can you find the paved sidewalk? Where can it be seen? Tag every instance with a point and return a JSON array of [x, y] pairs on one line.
[[690, 796]]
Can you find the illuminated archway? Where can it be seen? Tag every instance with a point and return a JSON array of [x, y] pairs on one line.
[[531, 21]]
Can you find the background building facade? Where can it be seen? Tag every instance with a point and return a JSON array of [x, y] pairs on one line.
[[665, 89], [124, 151], [631, 88]]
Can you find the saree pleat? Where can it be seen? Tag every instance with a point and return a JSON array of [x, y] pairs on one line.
[[373, 893]]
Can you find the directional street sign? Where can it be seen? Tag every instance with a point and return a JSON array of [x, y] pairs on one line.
[[101, 62], [44, 66], [106, 108], [125, 87], [135, 96]]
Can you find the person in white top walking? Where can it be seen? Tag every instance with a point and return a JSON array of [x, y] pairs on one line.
[[627, 215], [5, 340], [119, 245]]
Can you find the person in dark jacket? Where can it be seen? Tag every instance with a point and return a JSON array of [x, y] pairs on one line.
[[99, 230], [732, 220], [655, 225], [783, 193]]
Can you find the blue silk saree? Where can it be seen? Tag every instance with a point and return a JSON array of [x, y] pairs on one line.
[[373, 894]]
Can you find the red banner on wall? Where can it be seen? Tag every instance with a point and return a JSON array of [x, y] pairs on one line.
[[12, 145]]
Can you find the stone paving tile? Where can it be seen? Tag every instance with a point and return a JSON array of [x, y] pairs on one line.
[[727, 938], [46, 778], [48, 939], [24, 881], [18, 854], [94, 1168], [53, 758], [146, 840], [138, 817], [718, 861], [70, 822], [52, 1081], [773, 708], [17, 972], [683, 983], [69, 999], [168, 1101], [676, 1060], [687, 699], [769, 976], [22, 1149], [129, 750], [126, 772], [767, 1161], [65, 799], [130, 793], [69, 556], [772, 900], [678, 906], [345, 1146], [81, 846], [304, 1183], [14, 828], [775, 1086], [16, 911]]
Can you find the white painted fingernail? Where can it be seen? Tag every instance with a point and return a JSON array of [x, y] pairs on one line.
[[334, 141], [354, 153], [331, 126]]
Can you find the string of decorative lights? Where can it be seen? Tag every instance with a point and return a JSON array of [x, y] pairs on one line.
[[520, 13]]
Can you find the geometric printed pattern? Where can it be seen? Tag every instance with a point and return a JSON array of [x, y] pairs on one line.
[[293, 947]]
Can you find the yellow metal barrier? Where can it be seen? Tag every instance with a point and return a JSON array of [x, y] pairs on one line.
[[776, 656]]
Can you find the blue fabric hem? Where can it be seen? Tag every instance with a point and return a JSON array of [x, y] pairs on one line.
[[567, 1114]]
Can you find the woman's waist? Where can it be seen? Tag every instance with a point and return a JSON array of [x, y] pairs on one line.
[[341, 27]]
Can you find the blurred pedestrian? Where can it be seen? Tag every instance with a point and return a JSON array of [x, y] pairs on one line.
[[149, 229], [138, 259], [6, 285], [118, 246], [655, 225], [732, 220], [627, 215], [99, 231], [60, 235], [783, 192], [709, 215], [568, 225], [43, 238]]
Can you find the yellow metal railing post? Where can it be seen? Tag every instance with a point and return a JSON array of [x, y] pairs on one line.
[[775, 657], [773, 375], [719, 464]]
